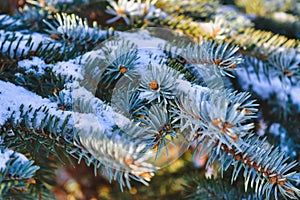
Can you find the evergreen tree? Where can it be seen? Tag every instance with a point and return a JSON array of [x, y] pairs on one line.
[[135, 88]]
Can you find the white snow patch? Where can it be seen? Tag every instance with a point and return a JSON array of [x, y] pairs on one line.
[[68, 68], [105, 114], [275, 129], [143, 39], [150, 55], [35, 65], [12, 97], [295, 95], [5, 156], [96, 53]]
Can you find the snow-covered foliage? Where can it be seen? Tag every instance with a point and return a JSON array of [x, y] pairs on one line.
[[129, 103]]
